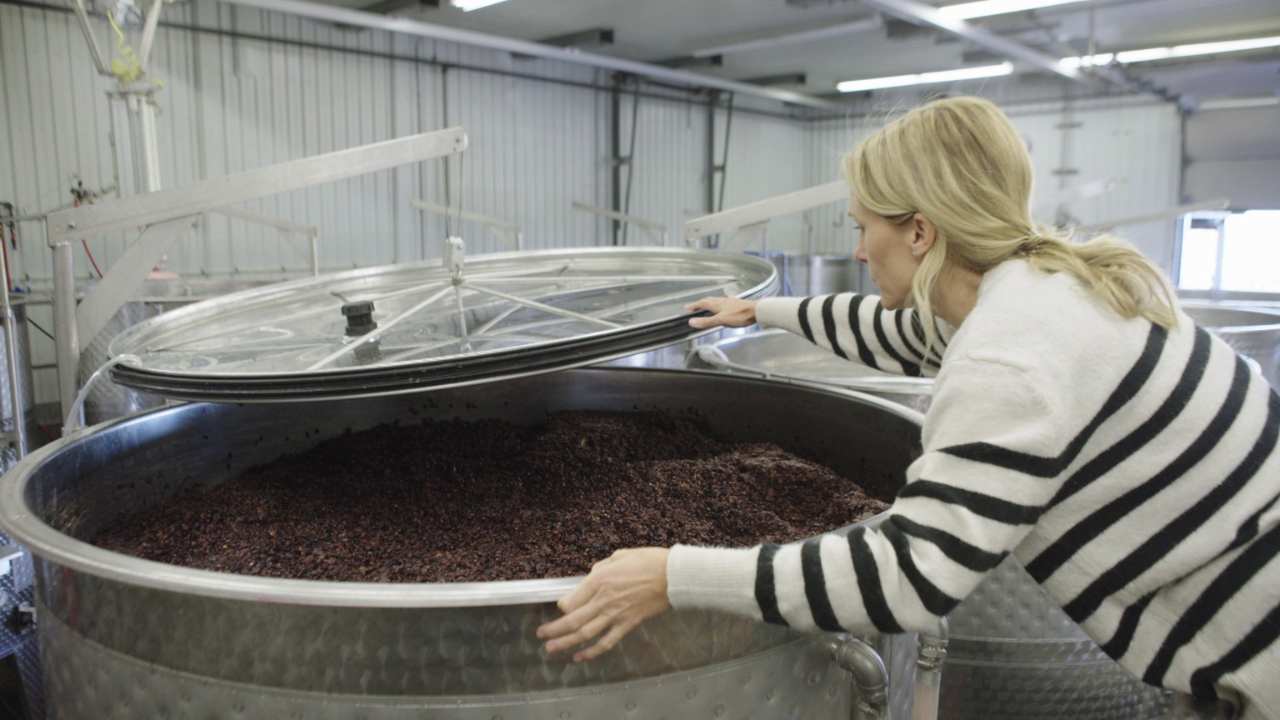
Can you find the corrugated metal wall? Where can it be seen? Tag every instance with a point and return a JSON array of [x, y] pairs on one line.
[[767, 157], [230, 104], [667, 173]]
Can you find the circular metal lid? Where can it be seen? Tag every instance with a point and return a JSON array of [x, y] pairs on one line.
[[437, 324]]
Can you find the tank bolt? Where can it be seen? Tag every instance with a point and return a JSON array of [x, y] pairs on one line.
[[21, 618]]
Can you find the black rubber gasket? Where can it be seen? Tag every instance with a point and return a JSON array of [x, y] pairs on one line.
[[374, 381]]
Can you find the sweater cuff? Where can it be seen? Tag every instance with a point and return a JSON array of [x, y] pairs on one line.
[[780, 312], [713, 579]]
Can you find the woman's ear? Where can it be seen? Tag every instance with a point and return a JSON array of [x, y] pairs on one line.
[[923, 234]]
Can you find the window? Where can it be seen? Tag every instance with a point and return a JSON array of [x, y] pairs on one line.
[[1231, 253]]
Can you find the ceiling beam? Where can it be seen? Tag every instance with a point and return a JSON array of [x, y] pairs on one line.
[[417, 28], [794, 78], [689, 61], [921, 14], [386, 7], [593, 37], [776, 40]]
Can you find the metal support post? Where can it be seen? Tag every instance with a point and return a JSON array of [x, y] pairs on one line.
[[65, 335], [11, 359], [615, 152], [99, 60], [142, 135]]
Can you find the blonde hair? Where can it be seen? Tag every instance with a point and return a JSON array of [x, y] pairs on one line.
[[960, 163]]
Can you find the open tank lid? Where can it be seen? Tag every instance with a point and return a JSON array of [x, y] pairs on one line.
[[455, 321]]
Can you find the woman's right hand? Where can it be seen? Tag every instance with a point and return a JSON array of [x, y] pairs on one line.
[[725, 311]]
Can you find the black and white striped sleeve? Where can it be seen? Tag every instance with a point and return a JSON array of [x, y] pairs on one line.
[[858, 328], [970, 499]]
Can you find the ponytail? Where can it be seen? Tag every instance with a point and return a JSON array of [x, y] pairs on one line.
[[960, 163]]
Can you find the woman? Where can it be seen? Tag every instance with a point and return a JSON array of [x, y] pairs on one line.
[[1080, 421]]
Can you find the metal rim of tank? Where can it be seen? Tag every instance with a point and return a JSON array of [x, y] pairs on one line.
[[1242, 310], [46, 542], [899, 385]]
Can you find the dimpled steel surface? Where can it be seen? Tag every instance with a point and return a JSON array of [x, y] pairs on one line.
[[146, 632], [794, 681]]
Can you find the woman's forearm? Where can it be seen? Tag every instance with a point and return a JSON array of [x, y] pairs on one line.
[[855, 327]]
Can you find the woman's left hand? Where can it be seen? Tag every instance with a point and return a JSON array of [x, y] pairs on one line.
[[619, 594]]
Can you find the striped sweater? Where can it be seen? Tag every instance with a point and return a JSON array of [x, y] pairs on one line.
[[1133, 471]]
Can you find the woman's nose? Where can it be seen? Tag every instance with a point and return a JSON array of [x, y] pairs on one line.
[[859, 254]]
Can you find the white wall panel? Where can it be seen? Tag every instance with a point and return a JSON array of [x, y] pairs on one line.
[[830, 230], [767, 157], [1235, 154], [231, 103]]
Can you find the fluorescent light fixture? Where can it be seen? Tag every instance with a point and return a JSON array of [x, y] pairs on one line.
[[987, 8], [1127, 57], [941, 76], [1240, 103], [469, 5]]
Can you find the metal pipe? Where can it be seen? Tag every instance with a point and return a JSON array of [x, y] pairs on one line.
[[65, 332], [870, 677], [615, 156], [11, 359], [656, 227], [404, 25], [724, 156], [98, 60], [631, 157], [775, 40], [510, 231], [149, 33], [932, 655], [148, 208], [922, 14]]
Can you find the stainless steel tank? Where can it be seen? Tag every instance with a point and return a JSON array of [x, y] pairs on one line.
[[1013, 652], [793, 270], [1253, 332], [18, 335], [833, 273], [128, 638]]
